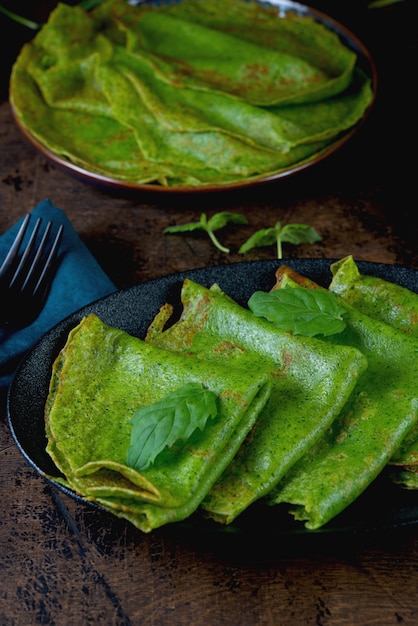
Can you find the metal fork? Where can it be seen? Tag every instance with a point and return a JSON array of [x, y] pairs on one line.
[[26, 274]]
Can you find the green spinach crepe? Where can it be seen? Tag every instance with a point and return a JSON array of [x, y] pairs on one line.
[[378, 417], [311, 382], [186, 95], [99, 380], [381, 299], [398, 307]]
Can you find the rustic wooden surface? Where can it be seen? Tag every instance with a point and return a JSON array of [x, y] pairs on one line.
[[62, 563]]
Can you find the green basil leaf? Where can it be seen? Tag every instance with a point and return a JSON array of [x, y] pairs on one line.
[[299, 233], [221, 219], [183, 228], [291, 233], [303, 311], [263, 237], [174, 418]]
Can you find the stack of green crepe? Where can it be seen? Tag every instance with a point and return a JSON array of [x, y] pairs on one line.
[[379, 424], [305, 421], [100, 379], [189, 94], [286, 459], [398, 307], [311, 383]]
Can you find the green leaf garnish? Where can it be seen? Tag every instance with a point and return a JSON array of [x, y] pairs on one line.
[[303, 311], [84, 4], [377, 4], [173, 418], [217, 221], [19, 19], [290, 233]]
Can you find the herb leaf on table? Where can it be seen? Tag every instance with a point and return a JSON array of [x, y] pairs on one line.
[[290, 233], [216, 222]]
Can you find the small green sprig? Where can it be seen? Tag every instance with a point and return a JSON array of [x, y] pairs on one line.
[[172, 419], [19, 19], [290, 233], [216, 222], [378, 4], [83, 4]]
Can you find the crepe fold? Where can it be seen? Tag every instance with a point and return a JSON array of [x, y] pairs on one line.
[[379, 417], [100, 378], [311, 383], [381, 299], [189, 94], [397, 306]]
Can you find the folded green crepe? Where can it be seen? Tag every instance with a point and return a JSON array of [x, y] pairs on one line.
[[292, 34], [381, 299], [99, 380], [172, 96], [381, 412], [311, 382], [260, 75], [398, 307]]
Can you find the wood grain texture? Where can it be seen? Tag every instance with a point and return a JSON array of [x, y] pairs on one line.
[[63, 563]]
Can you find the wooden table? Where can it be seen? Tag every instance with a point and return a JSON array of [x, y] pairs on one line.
[[63, 563]]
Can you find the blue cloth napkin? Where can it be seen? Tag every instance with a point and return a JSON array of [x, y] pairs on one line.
[[79, 281]]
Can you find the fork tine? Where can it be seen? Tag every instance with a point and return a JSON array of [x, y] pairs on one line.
[[12, 254], [27, 274], [43, 278], [38, 255], [21, 268]]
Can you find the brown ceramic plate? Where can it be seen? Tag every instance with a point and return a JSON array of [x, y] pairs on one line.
[[364, 61], [381, 507]]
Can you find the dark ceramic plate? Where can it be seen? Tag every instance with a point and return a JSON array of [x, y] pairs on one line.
[[381, 507], [364, 61]]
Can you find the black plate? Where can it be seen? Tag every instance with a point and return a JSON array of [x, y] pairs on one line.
[[383, 505], [364, 61]]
